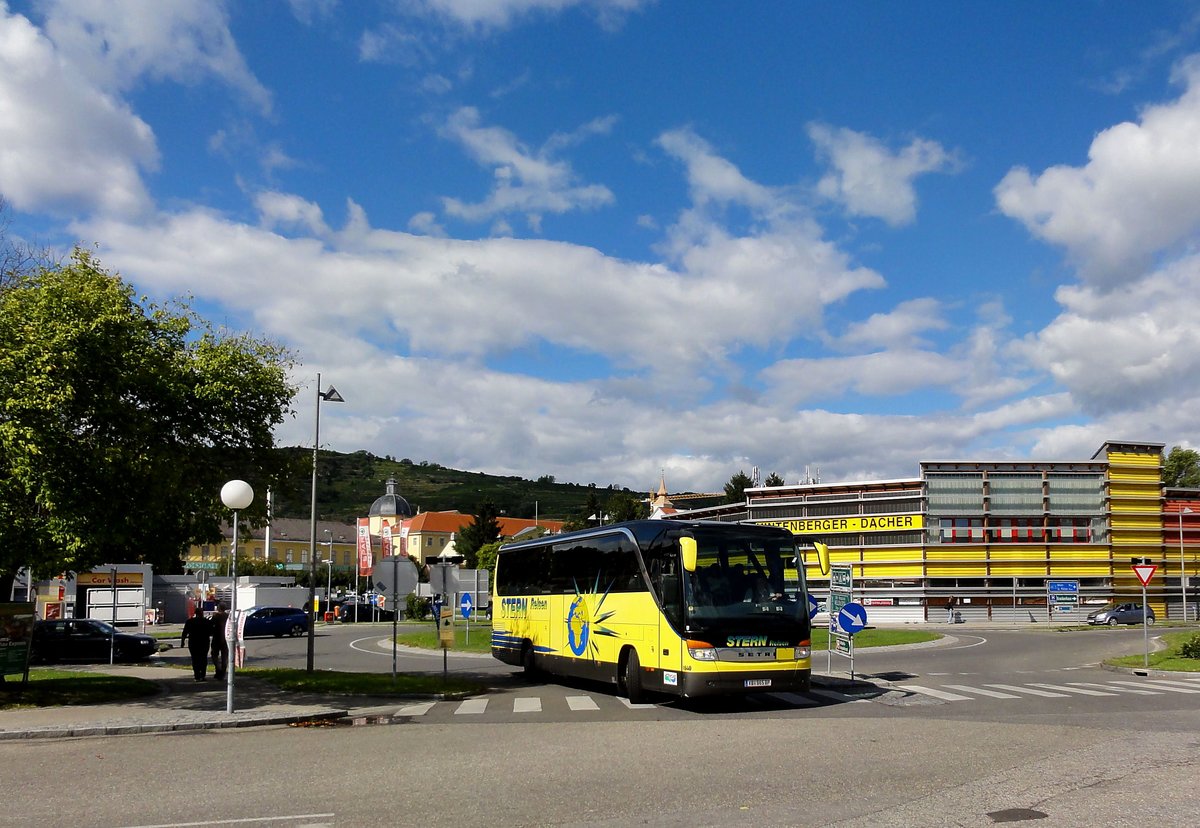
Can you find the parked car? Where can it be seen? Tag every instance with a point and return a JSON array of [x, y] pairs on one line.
[[276, 621], [358, 611], [86, 639], [1115, 614]]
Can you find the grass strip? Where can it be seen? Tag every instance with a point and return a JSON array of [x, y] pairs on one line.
[[1165, 659], [57, 688]]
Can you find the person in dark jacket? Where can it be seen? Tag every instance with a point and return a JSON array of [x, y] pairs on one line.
[[197, 632], [220, 647]]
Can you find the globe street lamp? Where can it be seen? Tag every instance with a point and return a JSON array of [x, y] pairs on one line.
[[236, 495], [329, 396]]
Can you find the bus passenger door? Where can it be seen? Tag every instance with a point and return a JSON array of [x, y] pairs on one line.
[[669, 587]]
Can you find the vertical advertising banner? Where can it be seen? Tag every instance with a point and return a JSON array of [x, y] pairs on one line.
[[385, 535], [364, 546]]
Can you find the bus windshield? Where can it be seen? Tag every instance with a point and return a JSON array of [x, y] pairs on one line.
[[740, 576]]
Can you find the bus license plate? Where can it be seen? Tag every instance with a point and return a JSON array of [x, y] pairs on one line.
[[758, 683]]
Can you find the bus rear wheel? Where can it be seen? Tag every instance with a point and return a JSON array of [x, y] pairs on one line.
[[631, 678]]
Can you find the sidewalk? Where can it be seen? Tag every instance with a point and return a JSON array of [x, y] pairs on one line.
[[182, 703]]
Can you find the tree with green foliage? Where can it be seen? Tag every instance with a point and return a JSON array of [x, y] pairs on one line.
[[120, 421], [624, 506], [484, 529], [486, 557], [774, 480], [735, 489], [1182, 468]]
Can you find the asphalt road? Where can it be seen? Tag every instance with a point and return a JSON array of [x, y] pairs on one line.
[[1124, 755]]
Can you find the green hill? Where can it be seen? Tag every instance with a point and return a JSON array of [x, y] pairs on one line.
[[347, 485]]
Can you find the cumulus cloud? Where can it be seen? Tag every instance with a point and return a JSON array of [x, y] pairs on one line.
[[527, 181], [868, 179], [66, 145], [500, 13], [1134, 200], [118, 46]]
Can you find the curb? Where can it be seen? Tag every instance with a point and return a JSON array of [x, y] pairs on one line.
[[68, 731]]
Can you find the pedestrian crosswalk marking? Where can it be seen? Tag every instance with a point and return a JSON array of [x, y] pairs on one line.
[[833, 694], [582, 703], [1030, 690], [1158, 685], [1118, 689], [415, 709], [633, 706], [1176, 686], [471, 707], [929, 691], [1083, 691], [527, 705], [995, 694]]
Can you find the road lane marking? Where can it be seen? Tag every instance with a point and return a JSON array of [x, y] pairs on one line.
[[527, 704], [582, 703], [836, 696], [415, 709], [1158, 686], [795, 699], [1183, 686]]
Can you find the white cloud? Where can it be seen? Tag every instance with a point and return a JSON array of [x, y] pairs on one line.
[[527, 181], [900, 328], [868, 179], [119, 45], [65, 144], [500, 13], [1134, 199], [712, 178]]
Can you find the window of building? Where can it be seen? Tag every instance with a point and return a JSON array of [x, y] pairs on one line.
[[1071, 530], [1017, 530], [288, 555], [961, 530]]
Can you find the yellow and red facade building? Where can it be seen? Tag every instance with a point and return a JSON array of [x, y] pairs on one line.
[[986, 537]]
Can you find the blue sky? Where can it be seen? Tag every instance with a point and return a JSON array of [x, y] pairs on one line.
[[608, 239]]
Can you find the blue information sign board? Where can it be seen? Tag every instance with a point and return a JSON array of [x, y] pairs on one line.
[[1062, 586], [813, 606], [852, 618]]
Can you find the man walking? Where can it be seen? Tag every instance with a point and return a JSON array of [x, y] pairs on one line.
[[197, 631], [220, 646]]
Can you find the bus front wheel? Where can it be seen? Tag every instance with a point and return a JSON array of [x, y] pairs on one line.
[[631, 678], [527, 664]]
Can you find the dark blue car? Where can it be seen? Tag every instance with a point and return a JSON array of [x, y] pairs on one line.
[[276, 621]]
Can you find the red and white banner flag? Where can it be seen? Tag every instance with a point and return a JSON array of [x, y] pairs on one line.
[[364, 546], [385, 535]]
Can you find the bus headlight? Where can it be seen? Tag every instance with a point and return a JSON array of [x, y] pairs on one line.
[[702, 651]]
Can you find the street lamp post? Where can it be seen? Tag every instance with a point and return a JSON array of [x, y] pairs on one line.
[[329, 396], [1182, 562], [236, 495], [328, 578]]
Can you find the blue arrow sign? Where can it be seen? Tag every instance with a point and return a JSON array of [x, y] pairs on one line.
[[465, 605], [852, 618], [1062, 586], [813, 606]]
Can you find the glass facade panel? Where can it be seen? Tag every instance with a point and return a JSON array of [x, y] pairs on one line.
[[1075, 494], [955, 493], [1015, 494]]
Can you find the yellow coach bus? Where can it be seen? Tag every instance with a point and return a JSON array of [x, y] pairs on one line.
[[682, 608]]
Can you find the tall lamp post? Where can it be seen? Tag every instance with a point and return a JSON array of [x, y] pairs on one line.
[[1182, 562], [236, 495], [329, 396]]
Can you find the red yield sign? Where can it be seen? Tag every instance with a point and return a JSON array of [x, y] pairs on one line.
[[1145, 572]]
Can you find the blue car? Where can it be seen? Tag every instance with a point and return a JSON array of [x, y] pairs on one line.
[[276, 621]]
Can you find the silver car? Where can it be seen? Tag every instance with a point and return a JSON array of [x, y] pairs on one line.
[[1115, 614]]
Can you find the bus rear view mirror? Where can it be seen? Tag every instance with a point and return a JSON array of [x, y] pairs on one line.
[[822, 556], [687, 547]]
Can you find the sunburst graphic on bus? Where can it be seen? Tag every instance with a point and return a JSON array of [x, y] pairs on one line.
[[584, 621]]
